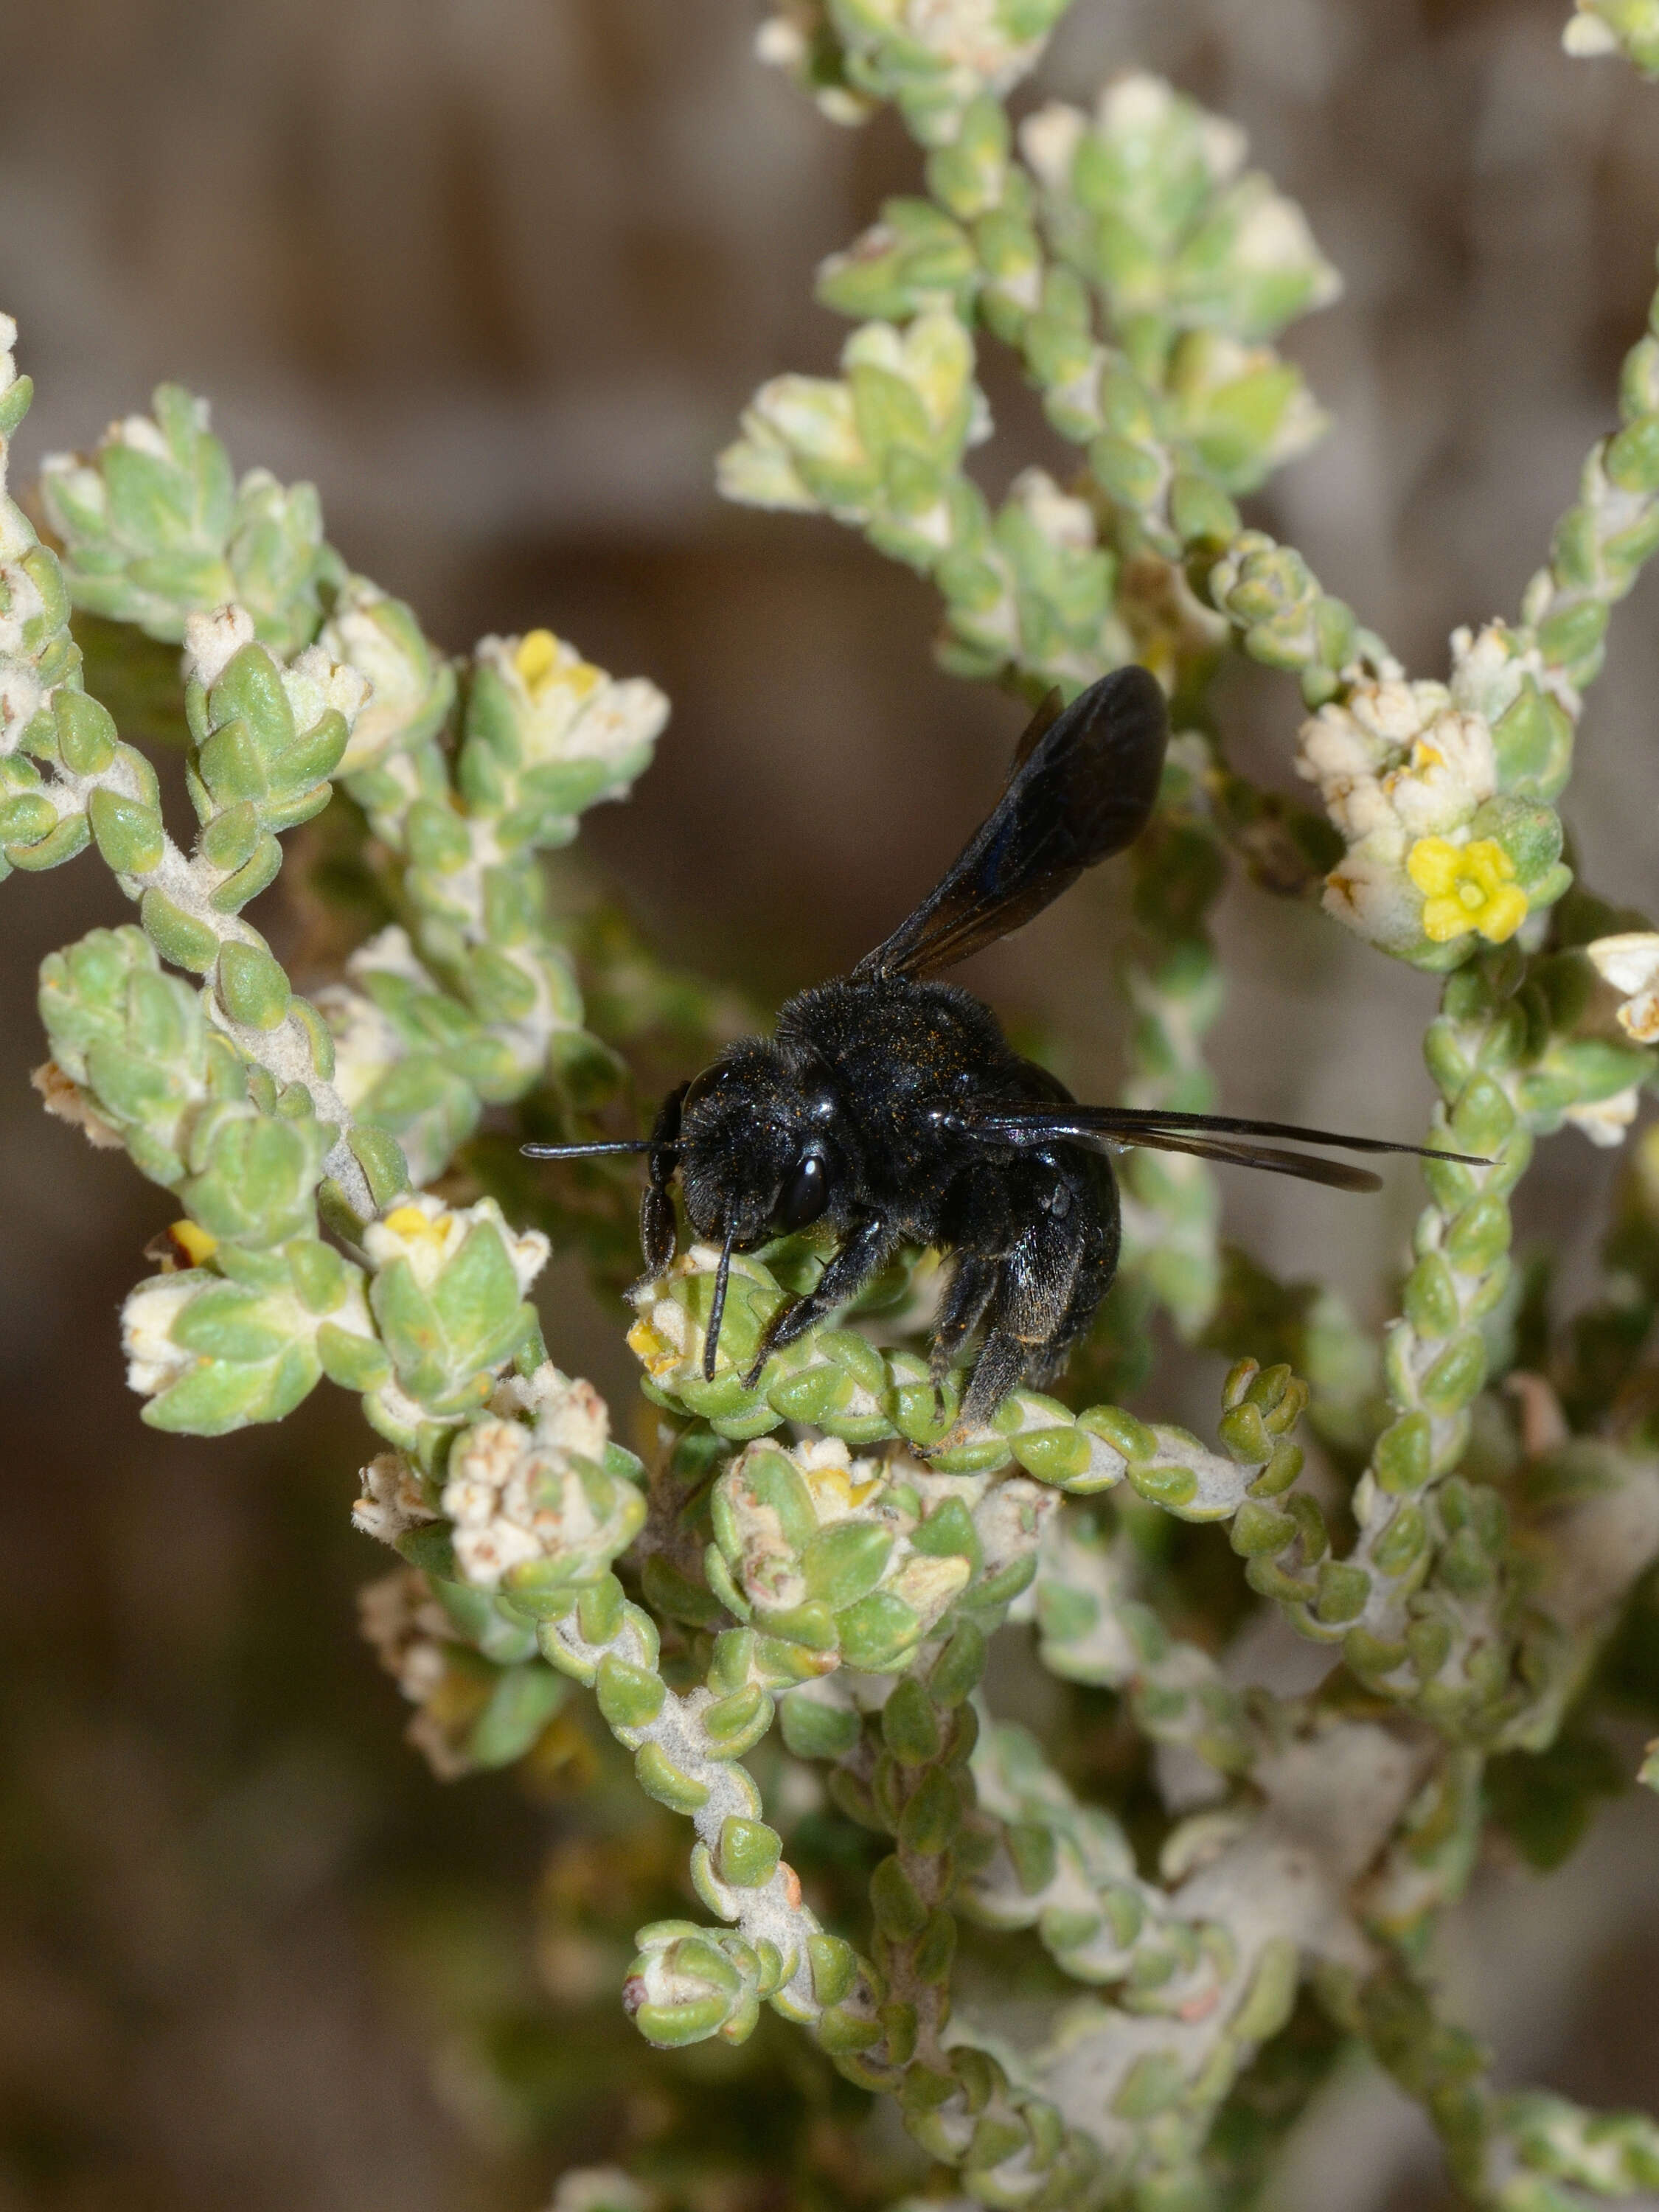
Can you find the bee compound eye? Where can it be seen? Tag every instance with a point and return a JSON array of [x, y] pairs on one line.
[[805, 1192]]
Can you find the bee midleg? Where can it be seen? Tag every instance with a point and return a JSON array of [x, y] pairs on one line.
[[656, 1207], [867, 1245]]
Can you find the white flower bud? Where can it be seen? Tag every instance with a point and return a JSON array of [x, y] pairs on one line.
[[154, 1360], [1587, 38], [1452, 770], [600, 2188], [1062, 519], [1605, 1121], [1630, 963], [1049, 140], [212, 641], [314, 682]]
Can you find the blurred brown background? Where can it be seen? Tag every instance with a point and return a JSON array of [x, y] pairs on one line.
[[498, 275]]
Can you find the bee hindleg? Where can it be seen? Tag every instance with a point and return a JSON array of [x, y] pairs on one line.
[[657, 1208], [972, 1286], [1034, 1290], [864, 1251], [1097, 1236], [1000, 1364]]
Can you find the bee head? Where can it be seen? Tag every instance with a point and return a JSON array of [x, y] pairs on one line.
[[755, 1156]]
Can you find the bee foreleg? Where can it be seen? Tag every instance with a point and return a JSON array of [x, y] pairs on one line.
[[866, 1246], [657, 1208]]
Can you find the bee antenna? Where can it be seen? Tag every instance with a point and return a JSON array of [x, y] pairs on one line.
[[717, 1312], [586, 1151]]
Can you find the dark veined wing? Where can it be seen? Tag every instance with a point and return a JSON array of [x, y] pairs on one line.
[[1082, 786], [1208, 1136]]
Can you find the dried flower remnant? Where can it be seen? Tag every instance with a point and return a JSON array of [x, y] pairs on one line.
[[393, 1500]]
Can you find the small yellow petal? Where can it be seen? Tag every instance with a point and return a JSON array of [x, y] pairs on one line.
[[409, 1221], [1432, 864], [195, 1242], [1488, 863], [1443, 920], [536, 657], [1505, 911]]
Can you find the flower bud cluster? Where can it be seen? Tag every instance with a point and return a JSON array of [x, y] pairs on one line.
[[212, 1348], [268, 1307], [447, 1293], [410, 1058], [688, 1983], [1195, 267], [548, 735], [510, 1530], [411, 685], [933, 58], [856, 1562], [153, 527], [544, 735], [880, 449], [1149, 198], [543, 1509], [37, 654]]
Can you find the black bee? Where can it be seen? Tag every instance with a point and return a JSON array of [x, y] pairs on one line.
[[891, 1106]]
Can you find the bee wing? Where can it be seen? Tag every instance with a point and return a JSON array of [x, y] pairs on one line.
[[1081, 787], [1208, 1136]]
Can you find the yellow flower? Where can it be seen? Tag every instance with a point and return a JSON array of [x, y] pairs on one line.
[[199, 1244], [1466, 887], [543, 660], [411, 1222]]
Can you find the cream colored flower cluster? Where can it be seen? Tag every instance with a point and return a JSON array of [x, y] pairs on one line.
[[1403, 771], [514, 1493]]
